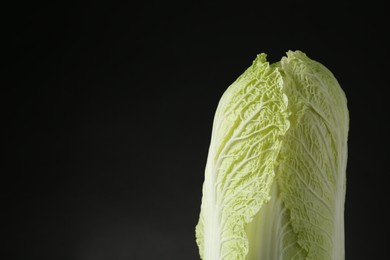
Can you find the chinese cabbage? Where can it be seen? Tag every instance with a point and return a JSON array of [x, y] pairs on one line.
[[274, 183]]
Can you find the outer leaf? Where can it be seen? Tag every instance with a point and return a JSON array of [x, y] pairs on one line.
[[249, 122], [312, 162]]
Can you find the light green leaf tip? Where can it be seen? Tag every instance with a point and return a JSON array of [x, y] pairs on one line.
[[274, 183]]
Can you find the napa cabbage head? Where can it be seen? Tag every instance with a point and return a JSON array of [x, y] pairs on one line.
[[275, 180]]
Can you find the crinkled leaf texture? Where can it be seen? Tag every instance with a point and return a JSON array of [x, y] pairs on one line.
[[274, 184]]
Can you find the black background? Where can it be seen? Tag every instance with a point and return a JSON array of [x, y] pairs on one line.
[[110, 111]]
